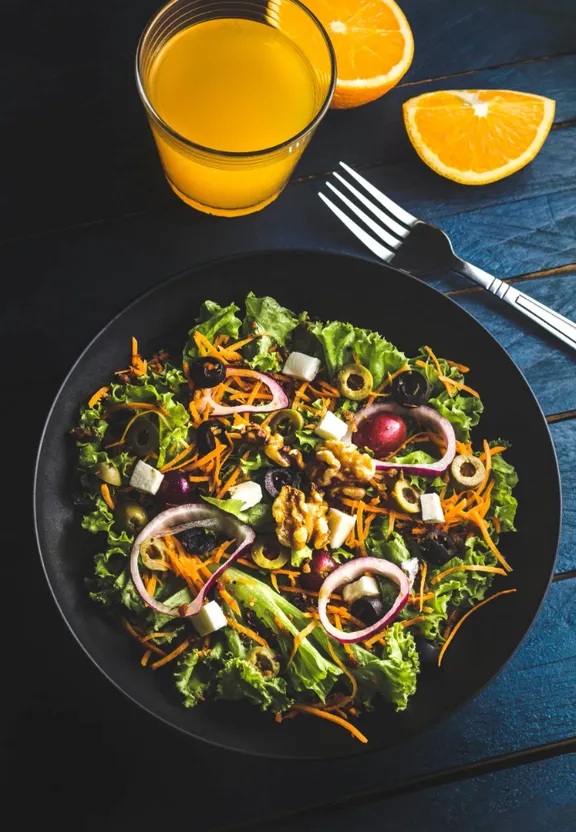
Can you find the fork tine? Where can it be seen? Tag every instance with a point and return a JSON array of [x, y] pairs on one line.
[[389, 204], [388, 239], [385, 219], [374, 246]]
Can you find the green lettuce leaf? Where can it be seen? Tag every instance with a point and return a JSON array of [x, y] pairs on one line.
[[337, 341], [298, 556], [381, 545], [309, 670], [459, 589], [266, 315], [239, 679], [393, 676], [230, 506], [91, 421], [463, 412], [194, 676], [340, 340], [503, 504], [98, 520], [213, 320], [306, 441], [408, 456]]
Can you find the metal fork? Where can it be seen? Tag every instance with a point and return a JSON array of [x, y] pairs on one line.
[[422, 249]]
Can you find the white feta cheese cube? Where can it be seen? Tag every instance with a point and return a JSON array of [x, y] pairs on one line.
[[300, 365], [366, 586], [431, 508], [411, 568], [249, 492], [209, 619], [340, 526], [331, 427], [146, 478]]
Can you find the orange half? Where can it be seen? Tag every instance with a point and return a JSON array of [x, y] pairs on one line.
[[373, 44], [478, 136]]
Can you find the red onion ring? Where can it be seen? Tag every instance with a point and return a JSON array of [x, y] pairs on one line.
[[279, 397], [425, 415], [349, 572], [178, 519]]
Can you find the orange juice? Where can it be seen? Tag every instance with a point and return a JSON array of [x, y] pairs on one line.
[[235, 86]]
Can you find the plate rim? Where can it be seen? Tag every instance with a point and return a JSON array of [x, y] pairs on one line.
[[247, 255]]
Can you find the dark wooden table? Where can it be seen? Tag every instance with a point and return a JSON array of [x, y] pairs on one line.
[[88, 223]]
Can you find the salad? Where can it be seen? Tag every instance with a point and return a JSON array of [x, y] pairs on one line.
[[292, 512]]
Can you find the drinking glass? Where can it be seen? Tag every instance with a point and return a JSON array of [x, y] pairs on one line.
[[223, 181]]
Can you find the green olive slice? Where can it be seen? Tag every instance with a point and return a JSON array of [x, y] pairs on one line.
[[355, 382], [142, 438], [265, 660], [108, 473], [130, 517], [407, 497], [287, 422], [267, 554], [467, 470]]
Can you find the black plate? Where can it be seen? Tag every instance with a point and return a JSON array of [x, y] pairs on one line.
[[410, 314]]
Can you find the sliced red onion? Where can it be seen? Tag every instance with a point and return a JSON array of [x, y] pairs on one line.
[[178, 519], [425, 415], [278, 402], [349, 572]]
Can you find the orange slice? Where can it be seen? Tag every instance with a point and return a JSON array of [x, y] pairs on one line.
[[373, 44], [478, 136]]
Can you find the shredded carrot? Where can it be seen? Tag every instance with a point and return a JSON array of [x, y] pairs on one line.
[[463, 448], [488, 467], [299, 638], [391, 521], [247, 632], [105, 491], [495, 569], [391, 376], [178, 458], [480, 522], [441, 377], [205, 348], [152, 636], [233, 477], [130, 629], [354, 684], [151, 584], [498, 449], [239, 344], [423, 583], [496, 521], [463, 619], [461, 367], [146, 655], [220, 551], [204, 460], [329, 389], [308, 709], [232, 602], [279, 623], [274, 582], [460, 386], [98, 395], [360, 526], [411, 621], [171, 656]]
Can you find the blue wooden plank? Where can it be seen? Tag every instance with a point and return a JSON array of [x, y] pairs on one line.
[[564, 436], [547, 363], [536, 797], [453, 37], [376, 132], [530, 703]]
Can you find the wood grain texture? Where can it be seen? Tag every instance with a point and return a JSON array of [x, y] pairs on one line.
[[548, 364], [530, 703], [564, 436], [536, 797]]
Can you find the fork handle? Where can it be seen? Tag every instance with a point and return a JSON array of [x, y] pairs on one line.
[[563, 328]]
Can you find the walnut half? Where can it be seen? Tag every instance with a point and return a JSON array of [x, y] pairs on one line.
[[299, 521], [342, 461]]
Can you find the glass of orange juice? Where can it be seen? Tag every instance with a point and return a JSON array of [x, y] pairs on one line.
[[233, 90]]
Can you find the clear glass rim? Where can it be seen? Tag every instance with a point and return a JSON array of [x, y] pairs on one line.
[[243, 154]]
